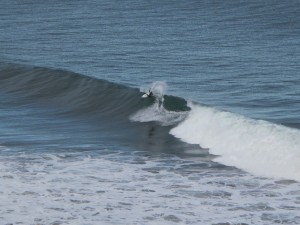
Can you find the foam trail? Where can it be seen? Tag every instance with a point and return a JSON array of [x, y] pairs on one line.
[[158, 113], [256, 146]]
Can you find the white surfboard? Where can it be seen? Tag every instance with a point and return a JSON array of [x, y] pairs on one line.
[[149, 94]]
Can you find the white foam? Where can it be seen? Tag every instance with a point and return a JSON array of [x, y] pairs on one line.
[[77, 189], [256, 146], [158, 113], [4, 149]]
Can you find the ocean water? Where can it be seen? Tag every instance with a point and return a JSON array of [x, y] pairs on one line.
[[218, 144]]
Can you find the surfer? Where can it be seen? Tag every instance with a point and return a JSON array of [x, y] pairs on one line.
[[150, 93]]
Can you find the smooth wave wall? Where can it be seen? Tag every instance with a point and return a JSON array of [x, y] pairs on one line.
[[79, 109], [73, 92], [78, 93], [256, 146]]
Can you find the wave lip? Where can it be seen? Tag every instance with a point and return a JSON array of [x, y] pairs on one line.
[[256, 146]]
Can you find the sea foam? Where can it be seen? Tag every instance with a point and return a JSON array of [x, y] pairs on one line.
[[157, 113], [81, 189], [256, 146]]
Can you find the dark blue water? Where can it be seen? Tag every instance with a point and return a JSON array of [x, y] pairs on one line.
[[219, 143]]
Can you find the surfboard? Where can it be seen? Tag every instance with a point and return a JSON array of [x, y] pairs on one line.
[[149, 94]]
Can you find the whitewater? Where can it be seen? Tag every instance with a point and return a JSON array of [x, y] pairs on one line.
[[259, 147]]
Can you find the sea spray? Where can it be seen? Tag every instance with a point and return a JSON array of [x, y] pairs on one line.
[[159, 88]]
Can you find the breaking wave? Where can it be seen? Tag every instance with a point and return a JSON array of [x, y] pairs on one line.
[[256, 146]]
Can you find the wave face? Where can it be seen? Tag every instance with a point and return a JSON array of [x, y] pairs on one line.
[[256, 146], [88, 110], [76, 92]]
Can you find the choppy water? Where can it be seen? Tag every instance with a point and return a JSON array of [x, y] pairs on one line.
[[219, 143]]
